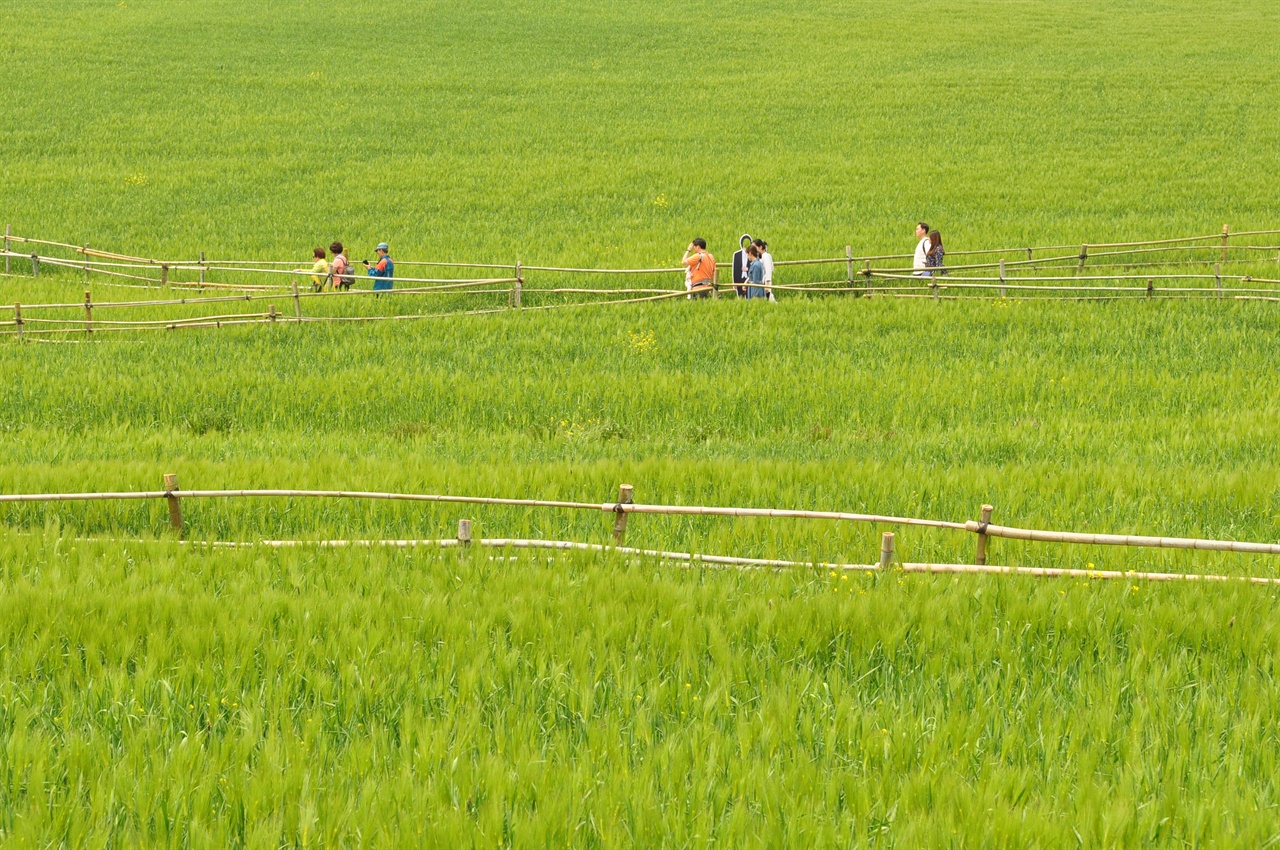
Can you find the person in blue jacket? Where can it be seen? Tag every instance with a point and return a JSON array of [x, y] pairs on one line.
[[384, 271]]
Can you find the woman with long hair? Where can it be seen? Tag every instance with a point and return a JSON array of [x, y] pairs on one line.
[[934, 254]]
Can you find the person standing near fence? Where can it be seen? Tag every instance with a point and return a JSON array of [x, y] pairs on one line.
[[702, 268], [319, 270], [384, 271], [934, 254], [767, 259], [755, 274], [922, 249], [340, 268]]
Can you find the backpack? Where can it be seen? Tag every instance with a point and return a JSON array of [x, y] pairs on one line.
[[342, 272]]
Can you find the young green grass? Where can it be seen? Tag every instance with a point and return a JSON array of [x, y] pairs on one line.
[[159, 693], [156, 694], [1148, 418]]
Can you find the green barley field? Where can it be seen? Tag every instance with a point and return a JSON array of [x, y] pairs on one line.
[[158, 692]]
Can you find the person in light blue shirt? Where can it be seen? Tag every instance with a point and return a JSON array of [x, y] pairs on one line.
[[384, 271], [755, 274]]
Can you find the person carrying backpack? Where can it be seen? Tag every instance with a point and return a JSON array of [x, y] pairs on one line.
[[340, 269]]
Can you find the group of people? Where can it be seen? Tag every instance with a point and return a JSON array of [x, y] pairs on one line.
[[338, 274], [752, 269], [753, 265]]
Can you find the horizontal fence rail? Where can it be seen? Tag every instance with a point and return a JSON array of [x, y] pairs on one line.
[[625, 507]]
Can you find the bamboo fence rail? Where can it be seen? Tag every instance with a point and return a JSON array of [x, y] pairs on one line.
[[523, 543], [625, 507], [1059, 572]]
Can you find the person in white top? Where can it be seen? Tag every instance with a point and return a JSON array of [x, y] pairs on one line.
[[767, 259], [922, 249]]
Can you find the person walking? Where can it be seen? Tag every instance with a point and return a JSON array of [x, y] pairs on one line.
[[384, 271], [319, 270], [702, 269], [755, 274], [922, 249], [767, 259], [340, 268], [934, 254]]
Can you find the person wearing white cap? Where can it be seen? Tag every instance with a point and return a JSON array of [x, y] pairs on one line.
[[384, 271]]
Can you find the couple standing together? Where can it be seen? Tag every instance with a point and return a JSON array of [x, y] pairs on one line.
[[929, 252]]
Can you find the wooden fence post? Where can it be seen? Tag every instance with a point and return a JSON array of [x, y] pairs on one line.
[[1150, 287], [981, 557], [175, 504], [1028, 255], [848, 254], [1002, 278], [1217, 277], [202, 271], [517, 287], [1084, 255], [1226, 234], [934, 286], [297, 301], [620, 516], [886, 550], [17, 319], [8, 231], [271, 312], [464, 532], [35, 265], [164, 274], [88, 312]]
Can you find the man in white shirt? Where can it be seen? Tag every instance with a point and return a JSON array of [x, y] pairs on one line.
[[767, 260], [922, 249]]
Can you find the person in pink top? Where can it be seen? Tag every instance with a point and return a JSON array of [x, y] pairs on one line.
[[341, 267]]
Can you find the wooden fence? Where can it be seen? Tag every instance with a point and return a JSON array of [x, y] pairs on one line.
[[1063, 272], [625, 507]]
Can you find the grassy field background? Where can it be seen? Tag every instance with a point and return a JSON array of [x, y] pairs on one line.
[[611, 134], [159, 694]]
